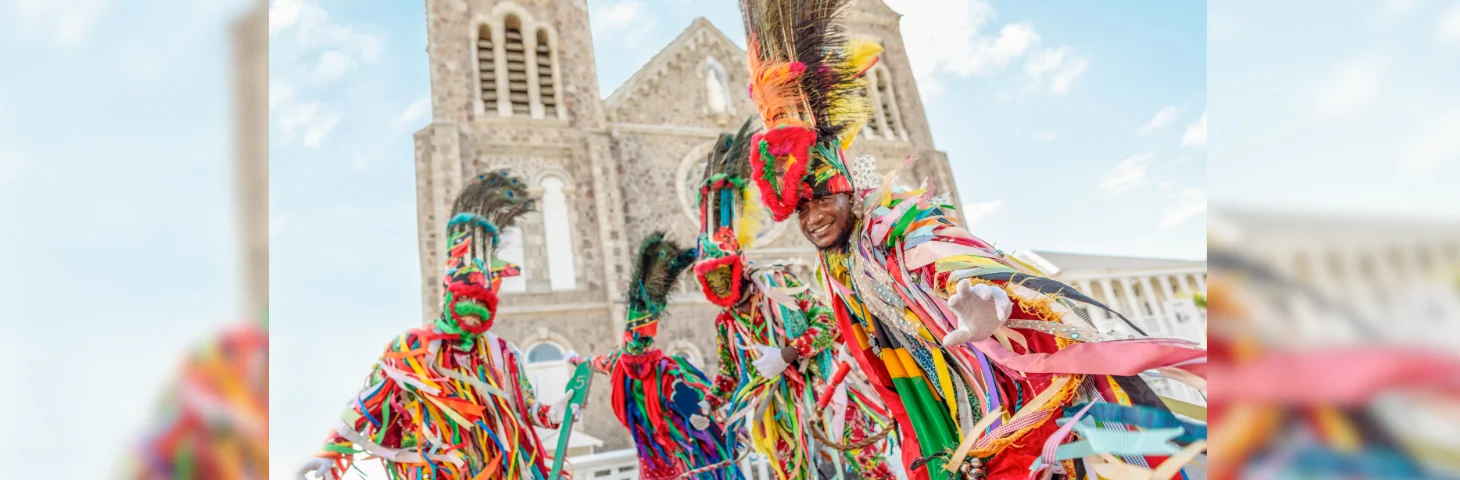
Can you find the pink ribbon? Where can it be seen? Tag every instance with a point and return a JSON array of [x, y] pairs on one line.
[[1119, 357]]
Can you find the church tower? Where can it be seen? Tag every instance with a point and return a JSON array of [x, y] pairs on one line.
[[899, 127], [513, 86]]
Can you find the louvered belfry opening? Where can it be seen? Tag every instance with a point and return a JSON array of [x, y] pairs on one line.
[[487, 68], [547, 87], [516, 68], [873, 127], [889, 111]]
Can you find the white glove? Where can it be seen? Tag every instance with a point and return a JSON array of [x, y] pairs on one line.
[[981, 309], [560, 406], [321, 467], [769, 364], [844, 355], [572, 358]]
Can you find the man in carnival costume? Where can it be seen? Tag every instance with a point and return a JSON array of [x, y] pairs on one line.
[[451, 400], [661, 399], [777, 340], [974, 353]]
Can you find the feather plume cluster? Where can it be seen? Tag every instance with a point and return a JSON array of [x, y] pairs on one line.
[[726, 170], [496, 196], [805, 71], [657, 267]]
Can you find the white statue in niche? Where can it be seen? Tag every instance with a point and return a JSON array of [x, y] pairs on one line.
[[717, 94]]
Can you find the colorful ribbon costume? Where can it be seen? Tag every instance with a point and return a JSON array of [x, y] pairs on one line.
[[980, 409], [660, 398], [451, 400], [214, 421], [769, 307]]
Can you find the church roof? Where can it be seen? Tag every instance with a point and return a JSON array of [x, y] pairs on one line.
[[1072, 262], [699, 28]]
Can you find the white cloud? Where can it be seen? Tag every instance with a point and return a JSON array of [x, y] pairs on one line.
[[277, 223], [314, 135], [1043, 137], [344, 48], [974, 211], [986, 55], [944, 36], [1061, 65], [1168, 184], [1433, 146], [415, 112], [69, 23], [1449, 28], [1130, 173], [1162, 117], [1189, 203], [312, 118], [286, 13], [628, 20], [332, 66], [1196, 134], [279, 95], [1350, 88]]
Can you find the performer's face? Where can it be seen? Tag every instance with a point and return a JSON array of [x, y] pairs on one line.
[[826, 220]]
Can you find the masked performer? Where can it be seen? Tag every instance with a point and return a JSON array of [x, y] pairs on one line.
[[661, 398], [973, 353], [771, 320], [451, 400]]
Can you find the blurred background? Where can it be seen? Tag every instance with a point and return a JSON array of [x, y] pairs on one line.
[[133, 211], [133, 223]]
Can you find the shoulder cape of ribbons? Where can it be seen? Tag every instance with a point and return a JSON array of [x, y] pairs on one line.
[[1116, 357]]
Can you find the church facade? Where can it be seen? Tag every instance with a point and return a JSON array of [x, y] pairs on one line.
[[514, 86]]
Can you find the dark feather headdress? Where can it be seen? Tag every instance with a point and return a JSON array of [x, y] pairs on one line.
[[806, 78], [656, 269]]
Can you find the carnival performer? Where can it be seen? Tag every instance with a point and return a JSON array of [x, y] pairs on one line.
[[777, 341], [975, 354], [661, 398], [451, 399]]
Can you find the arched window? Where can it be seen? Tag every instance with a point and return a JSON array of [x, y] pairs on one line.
[[547, 370], [717, 91], [544, 353], [516, 53], [558, 232], [887, 112], [546, 86], [510, 250], [487, 68], [873, 128]]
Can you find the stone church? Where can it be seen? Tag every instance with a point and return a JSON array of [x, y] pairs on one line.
[[514, 86]]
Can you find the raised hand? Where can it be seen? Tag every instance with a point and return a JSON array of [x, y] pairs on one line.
[[981, 309], [321, 467]]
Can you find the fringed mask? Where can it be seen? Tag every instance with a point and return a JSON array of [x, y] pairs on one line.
[[720, 269], [473, 274], [725, 222]]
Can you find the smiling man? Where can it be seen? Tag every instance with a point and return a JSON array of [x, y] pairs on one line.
[[974, 354]]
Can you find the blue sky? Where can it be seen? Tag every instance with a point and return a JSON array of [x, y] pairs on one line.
[[1037, 108], [1349, 109], [117, 227]]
